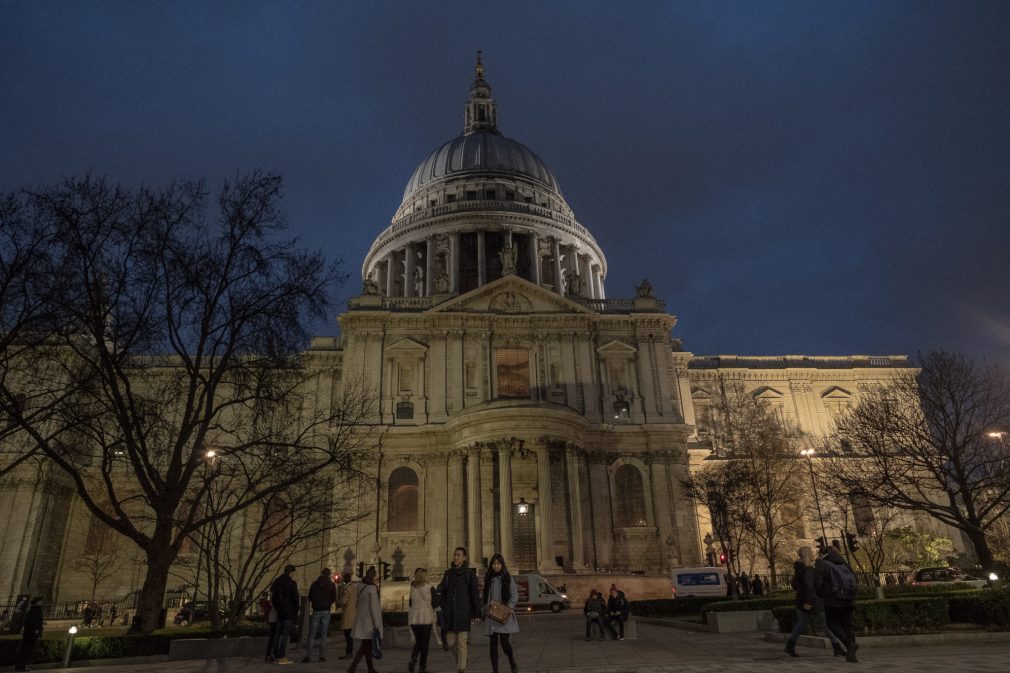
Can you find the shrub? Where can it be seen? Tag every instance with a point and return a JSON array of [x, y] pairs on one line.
[[987, 607], [672, 607], [897, 615], [750, 604]]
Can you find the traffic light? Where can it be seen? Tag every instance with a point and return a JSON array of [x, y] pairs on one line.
[[822, 543], [722, 557], [851, 542], [361, 569], [385, 571]]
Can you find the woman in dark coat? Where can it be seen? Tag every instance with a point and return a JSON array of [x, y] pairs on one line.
[[500, 586], [460, 604]]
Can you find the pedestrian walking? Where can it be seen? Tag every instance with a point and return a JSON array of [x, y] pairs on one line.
[[757, 586], [460, 605], [500, 586], [421, 618], [594, 610], [270, 617], [617, 611], [89, 613], [836, 585], [284, 599], [322, 596], [349, 601], [113, 613], [809, 606], [367, 620], [744, 585], [30, 634]]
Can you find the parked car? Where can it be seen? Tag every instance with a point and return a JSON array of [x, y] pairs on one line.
[[187, 615], [946, 576], [706, 581]]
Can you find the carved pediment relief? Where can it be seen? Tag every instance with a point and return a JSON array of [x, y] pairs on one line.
[[510, 294], [767, 393], [615, 347], [700, 394], [836, 393], [407, 347]]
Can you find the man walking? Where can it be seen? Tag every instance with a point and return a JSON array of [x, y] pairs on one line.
[[284, 598], [30, 635], [322, 596], [836, 585], [460, 605]]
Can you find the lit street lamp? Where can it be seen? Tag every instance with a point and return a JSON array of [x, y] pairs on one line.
[[809, 454], [71, 632]]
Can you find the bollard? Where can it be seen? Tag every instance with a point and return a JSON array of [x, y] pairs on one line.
[[70, 646]]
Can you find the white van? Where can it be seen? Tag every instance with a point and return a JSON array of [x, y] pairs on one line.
[[537, 593], [699, 582]]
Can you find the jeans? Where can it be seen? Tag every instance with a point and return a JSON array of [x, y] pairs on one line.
[[318, 620], [839, 620], [620, 626], [281, 638], [803, 619], [422, 637], [601, 626]]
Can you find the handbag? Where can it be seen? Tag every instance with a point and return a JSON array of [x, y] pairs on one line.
[[376, 644], [499, 612]]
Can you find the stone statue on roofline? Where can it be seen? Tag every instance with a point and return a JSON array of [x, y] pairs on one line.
[[508, 255], [644, 291]]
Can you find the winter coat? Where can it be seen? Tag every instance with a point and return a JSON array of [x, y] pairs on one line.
[[33, 622], [803, 583], [494, 594], [323, 593], [594, 604], [822, 580], [421, 610], [460, 602], [284, 597], [617, 607], [369, 614], [351, 593]]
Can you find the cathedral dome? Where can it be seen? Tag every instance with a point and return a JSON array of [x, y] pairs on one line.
[[480, 207], [482, 151]]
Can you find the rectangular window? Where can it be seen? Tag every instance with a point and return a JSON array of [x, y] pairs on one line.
[[471, 194], [450, 198], [513, 369], [489, 194]]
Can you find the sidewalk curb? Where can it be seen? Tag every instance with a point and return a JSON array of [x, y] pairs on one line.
[[913, 640], [675, 623]]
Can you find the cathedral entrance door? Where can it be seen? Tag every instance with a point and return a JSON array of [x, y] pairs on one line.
[[524, 537]]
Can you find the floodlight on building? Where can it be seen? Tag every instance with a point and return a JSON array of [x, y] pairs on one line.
[[522, 506]]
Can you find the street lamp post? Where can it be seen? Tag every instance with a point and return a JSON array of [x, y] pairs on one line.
[[809, 454]]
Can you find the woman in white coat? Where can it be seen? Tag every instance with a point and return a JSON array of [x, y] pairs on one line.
[[367, 620], [500, 586], [420, 617]]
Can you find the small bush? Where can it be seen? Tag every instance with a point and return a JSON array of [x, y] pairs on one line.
[[750, 604], [672, 607], [987, 607], [895, 616]]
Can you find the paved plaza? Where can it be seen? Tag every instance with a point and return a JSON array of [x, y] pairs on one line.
[[556, 643]]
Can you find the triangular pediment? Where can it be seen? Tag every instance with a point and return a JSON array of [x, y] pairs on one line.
[[407, 345], [615, 347], [510, 295], [767, 393], [700, 394], [836, 393]]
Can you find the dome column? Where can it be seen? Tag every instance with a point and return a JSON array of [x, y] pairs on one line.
[[390, 274], [429, 256], [559, 283], [534, 257], [481, 260], [454, 262]]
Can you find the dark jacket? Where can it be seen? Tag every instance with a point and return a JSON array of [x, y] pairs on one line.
[[617, 607], [460, 600], [803, 583], [323, 593], [33, 622], [284, 597], [595, 604], [822, 579]]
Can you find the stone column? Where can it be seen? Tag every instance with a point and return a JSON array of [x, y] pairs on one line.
[[429, 264], [602, 294], [408, 273], [505, 498], [456, 508], [574, 507], [481, 260], [556, 251], [534, 257], [453, 270], [474, 522], [390, 274], [545, 535]]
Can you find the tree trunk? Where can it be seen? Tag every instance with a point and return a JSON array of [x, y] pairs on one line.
[[982, 551], [152, 594]]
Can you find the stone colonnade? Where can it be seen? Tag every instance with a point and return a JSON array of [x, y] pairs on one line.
[[433, 265]]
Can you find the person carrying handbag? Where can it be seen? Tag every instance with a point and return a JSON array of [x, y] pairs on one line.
[[500, 597], [420, 618], [368, 621]]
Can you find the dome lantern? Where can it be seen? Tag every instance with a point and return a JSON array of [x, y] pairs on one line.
[[480, 113]]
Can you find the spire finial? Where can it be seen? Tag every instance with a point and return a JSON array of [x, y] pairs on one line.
[[480, 66]]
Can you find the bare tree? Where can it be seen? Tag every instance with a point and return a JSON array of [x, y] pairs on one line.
[[748, 431], [930, 443], [102, 557], [157, 336]]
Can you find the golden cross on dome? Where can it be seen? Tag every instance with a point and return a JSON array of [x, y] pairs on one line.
[[480, 66]]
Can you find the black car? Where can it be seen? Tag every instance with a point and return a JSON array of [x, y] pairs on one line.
[[187, 615]]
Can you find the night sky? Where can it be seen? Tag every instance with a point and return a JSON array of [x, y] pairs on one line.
[[792, 177]]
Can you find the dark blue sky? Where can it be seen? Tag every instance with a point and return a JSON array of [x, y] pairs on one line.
[[792, 177]]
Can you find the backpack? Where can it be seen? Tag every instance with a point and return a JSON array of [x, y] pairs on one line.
[[842, 582]]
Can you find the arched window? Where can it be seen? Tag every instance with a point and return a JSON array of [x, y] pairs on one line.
[[402, 503], [630, 497]]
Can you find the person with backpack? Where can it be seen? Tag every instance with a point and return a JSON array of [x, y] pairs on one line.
[[809, 606], [322, 596], [836, 585]]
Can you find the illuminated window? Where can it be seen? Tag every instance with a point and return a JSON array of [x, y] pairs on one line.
[[622, 410], [630, 497], [402, 503], [513, 368]]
